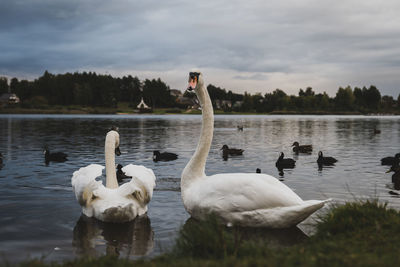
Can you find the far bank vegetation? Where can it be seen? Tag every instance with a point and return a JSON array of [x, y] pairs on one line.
[[88, 92]]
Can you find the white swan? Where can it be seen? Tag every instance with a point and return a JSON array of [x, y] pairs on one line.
[[245, 199], [113, 203]]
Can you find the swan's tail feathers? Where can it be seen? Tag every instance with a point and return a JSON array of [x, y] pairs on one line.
[[84, 182], [280, 217], [327, 200], [143, 178]]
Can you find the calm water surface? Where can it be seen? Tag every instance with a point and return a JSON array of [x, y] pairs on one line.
[[39, 215]]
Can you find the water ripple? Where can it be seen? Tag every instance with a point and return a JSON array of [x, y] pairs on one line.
[[39, 212]]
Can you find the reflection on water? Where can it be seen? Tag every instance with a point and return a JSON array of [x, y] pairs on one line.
[[92, 237], [39, 212], [272, 237], [322, 166]]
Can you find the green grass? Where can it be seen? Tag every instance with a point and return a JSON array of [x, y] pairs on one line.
[[362, 233], [355, 234]]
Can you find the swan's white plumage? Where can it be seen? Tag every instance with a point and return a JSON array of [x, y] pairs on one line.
[[143, 174], [242, 192], [120, 204], [113, 204], [84, 179], [246, 199]]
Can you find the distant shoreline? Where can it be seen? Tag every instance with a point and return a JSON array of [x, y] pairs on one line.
[[165, 111]]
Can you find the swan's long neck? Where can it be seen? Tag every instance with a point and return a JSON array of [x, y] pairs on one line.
[[196, 166], [111, 176]]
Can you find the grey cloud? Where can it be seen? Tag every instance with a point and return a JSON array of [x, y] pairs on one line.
[[257, 77], [252, 39]]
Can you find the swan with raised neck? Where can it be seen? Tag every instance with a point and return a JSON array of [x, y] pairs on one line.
[[110, 149], [195, 169], [113, 203], [246, 199]]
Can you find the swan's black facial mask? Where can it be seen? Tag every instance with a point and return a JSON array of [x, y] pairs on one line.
[[193, 79]]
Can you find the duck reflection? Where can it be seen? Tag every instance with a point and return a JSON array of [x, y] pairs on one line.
[[281, 174], [92, 237], [275, 238], [321, 167]]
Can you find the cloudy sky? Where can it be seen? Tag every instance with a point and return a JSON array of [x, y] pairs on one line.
[[253, 45]]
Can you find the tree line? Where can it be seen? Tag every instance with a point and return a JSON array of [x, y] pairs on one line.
[[360, 100], [88, 89], [98, 90]]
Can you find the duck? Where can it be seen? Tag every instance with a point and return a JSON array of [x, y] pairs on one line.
[[325, 160], [56, 156], [240, 128], [226, 152], [242, 199], [283, 163], [121, 174], [391, 160], [301, 148], [376, 131], [164, 156], [231, 151], [113, 202], [395, 176]]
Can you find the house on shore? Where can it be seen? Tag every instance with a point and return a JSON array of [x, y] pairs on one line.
[[175, 93], [223, 104], [8, 99], [184, 101], [238, 104]]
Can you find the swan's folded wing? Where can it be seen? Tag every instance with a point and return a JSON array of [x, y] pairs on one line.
[[144, 175], [84, 182], [279, 217], [238, 192], [133, 189]]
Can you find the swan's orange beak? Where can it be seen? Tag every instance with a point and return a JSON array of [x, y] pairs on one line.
[[192, 83], [193, 78]]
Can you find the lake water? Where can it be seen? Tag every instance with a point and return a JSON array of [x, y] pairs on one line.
[[40, 217]]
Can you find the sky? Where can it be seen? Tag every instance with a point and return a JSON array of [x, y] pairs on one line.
[[252, 45]]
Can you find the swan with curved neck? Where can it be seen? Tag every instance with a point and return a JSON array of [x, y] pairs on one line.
[[113, 203], [245, 199], [111, 149]]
